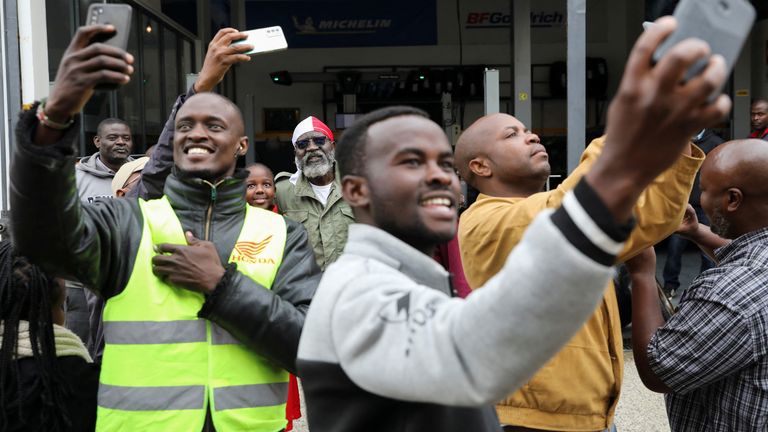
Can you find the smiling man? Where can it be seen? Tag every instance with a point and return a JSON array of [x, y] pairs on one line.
[[312, 195], [206, 295], [386, 347], [95, 173]]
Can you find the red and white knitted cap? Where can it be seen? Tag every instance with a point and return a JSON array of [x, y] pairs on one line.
[[310, 124]]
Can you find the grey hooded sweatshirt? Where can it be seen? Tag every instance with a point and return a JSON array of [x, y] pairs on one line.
[[385, 347], [94, 179]]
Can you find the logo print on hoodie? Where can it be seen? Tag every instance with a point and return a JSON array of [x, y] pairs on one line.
[[400, 311]]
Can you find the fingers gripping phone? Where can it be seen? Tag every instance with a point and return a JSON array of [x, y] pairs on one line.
[[723, 24], [119, 15], [264, 40]]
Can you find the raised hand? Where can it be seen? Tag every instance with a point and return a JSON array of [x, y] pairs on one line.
[[195, 266], [84, 66], [690, 224], [654, 114], [220, 57]]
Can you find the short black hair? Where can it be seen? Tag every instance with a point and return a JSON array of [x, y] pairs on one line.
[[350, 150], [109, 121]]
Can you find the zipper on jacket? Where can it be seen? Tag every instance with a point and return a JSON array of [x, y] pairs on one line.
[[209, 212]]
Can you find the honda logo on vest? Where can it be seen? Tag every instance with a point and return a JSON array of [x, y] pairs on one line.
[[248, 251]]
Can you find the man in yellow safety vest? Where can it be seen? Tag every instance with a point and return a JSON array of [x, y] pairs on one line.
[[206, 296]]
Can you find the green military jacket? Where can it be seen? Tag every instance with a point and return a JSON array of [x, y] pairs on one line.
[[327, 226]]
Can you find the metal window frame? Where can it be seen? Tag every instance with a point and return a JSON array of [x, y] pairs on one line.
[[10, 99]]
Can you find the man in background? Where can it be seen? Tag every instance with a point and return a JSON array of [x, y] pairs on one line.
[[312, 195], [95, 172], [759, 119]]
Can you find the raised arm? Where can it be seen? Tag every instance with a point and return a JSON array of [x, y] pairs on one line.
[[700, 234], [90, 242], [650, 122], [219, 59]]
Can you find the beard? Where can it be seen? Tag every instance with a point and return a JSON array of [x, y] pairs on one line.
[[318, 168], [719, 224], [412, 230]]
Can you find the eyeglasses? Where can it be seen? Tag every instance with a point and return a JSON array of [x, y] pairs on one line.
[[319, 141]]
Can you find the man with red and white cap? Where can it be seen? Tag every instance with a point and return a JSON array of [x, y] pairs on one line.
[[312, 195]]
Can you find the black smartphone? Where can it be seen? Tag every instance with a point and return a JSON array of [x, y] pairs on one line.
[[723, 24], [119, 15]]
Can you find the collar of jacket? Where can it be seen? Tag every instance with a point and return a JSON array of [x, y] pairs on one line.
[[192, 193], [370, 242]]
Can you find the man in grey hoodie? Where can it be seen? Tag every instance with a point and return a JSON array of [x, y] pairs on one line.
[[94, 176], [94, 173], [385, 345]]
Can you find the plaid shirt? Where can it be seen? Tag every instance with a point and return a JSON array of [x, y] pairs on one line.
[[712, 352]]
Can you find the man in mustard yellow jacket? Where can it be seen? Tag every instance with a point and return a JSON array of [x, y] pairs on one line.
[[579, 388]]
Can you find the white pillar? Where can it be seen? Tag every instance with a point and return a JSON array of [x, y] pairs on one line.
[[491, 87], [33, 50], [522, 61], [577, 53], [742, 79]]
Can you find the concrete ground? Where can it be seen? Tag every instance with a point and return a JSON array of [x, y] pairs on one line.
[[639, 409]]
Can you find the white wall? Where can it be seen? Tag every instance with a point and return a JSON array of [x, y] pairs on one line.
[[612, 27]]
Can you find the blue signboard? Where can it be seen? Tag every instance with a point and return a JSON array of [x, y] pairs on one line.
[[347, 23]]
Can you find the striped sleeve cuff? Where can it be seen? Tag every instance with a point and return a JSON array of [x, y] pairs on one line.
[[588, 224]]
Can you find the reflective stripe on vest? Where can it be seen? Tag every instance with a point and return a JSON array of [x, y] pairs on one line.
[[163, 366]]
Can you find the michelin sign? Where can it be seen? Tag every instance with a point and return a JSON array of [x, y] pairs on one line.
[[345, 23]]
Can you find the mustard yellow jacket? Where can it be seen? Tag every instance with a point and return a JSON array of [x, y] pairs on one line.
[[579, 388]]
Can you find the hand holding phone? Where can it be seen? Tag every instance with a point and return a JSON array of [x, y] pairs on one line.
[[264, 40], [723, 24], [78, 74], [118, 15]]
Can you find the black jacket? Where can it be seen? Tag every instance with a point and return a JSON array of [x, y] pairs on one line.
[[97, 243], [82, 382]]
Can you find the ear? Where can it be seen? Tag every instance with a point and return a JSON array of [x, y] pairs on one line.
[[242, 147], [120, 193], [96, 141], [733, 199], [480, 167], [355, 190]]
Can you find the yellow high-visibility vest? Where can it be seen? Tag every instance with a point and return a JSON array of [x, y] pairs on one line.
[[163, 366]]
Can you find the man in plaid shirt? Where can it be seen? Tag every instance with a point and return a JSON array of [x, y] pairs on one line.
[[711, 357]]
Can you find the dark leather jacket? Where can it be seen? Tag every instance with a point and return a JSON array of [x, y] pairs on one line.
[[97, 244]]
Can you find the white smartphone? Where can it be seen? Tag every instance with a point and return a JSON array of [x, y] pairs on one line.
[[723, 24], [264, 40]]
